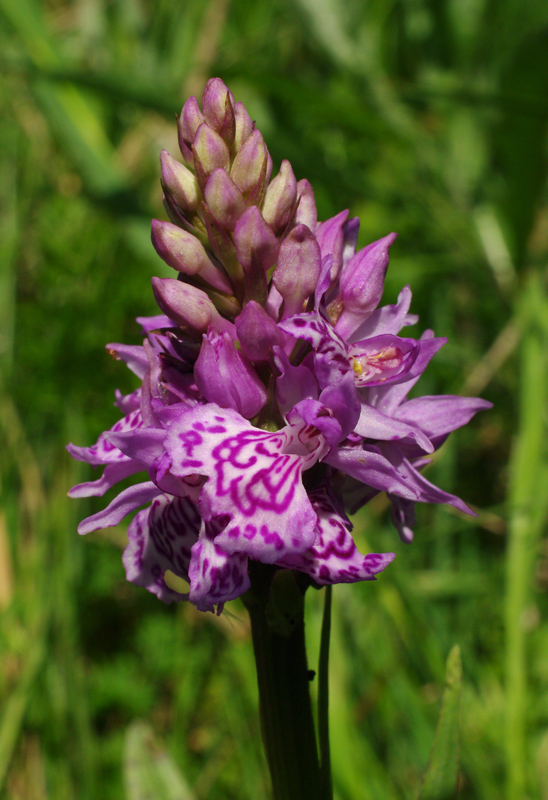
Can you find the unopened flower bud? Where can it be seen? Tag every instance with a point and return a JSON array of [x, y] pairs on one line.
[[183, 252], [252, 166], [257, 332], [257, 250], [210, 152], [298, 269], [218, 109], [254, 240], [223, 248], [362, 281], [350, 239], [187, 124], [306, 209], [280, 198], [180, 183], [244, 126], [225, 376], [331, 238], [188, 306], [224, 199]]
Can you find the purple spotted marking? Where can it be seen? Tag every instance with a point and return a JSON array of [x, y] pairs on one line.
[[254, 478], [334, 557]]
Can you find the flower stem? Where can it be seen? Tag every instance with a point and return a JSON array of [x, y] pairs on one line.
[[276, 608]]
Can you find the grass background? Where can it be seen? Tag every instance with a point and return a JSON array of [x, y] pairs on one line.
[[428, 117]]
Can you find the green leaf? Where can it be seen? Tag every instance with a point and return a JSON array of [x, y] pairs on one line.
[[149, 772], [440, 781]]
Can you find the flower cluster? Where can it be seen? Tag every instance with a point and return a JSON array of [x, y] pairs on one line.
[[274, 390]]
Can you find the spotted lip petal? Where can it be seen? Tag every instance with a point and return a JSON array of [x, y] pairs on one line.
[[160, 539], [215, 576], [254, 478], [334, 557]]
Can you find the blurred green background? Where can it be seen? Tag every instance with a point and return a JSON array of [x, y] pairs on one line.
[[428, 117]]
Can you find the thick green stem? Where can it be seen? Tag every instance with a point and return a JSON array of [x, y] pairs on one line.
[[287, 725]]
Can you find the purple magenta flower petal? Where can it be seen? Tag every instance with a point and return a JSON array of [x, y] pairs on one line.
[[319, 417], [133, 355], [215, 576], [388, 319], [190, 120], [439, 415], [334, 557], [161, 538], [143, 445], [388, 398], [210, 153], [113, 474], [374, 425], [103, 451], [182, 251], [312, 328], [344, 402], [226, 376], [122, 505], [369, 466], [324, 281], [427, 492], [154, 323], [294, 383], [351, 230], [254, 478], [382, 359], [128, 402]]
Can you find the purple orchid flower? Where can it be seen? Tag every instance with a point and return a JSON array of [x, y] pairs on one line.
[[270, 378]]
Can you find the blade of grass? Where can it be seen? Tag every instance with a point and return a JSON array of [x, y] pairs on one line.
[[149, 771], [16, 705], [441, 777], [528, 506], [71, 115]]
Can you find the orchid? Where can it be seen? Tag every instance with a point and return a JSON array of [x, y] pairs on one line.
[[273, 386], [273, 399]]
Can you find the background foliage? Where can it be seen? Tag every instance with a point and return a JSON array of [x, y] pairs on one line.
[[428, 117]]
